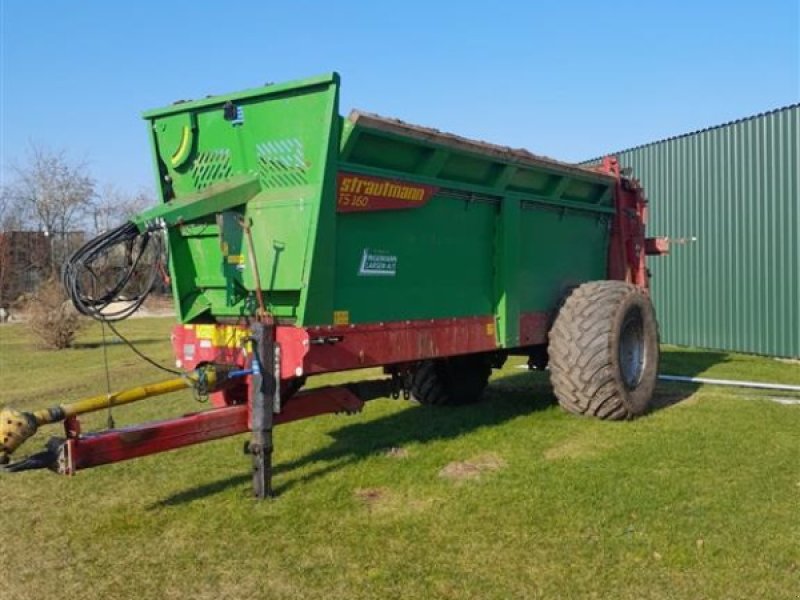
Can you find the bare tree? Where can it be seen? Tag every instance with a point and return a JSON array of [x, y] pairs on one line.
[[5, 203], [16, 260], [113, 207], [53, 193], [10, 213]]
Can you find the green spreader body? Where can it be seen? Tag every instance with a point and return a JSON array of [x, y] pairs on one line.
[[366, 220]]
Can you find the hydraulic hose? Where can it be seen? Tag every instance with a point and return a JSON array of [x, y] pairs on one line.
[[82, 270]]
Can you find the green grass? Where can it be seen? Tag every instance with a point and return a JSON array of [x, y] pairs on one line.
[[700, 499]]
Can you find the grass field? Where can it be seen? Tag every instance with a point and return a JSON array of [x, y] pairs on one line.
[[511, 498]]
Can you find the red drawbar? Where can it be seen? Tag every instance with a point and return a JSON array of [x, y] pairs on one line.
[[151, 438]]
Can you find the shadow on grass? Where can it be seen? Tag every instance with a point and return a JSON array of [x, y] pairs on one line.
[[506, 398], [689, 363], [203, 491]]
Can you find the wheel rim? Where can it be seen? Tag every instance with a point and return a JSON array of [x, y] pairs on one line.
[[632, 350]]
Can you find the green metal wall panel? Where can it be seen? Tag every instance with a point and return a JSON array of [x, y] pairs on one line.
[[736, 188], [438, 275]]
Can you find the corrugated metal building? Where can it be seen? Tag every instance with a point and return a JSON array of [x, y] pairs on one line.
[[736, 188]]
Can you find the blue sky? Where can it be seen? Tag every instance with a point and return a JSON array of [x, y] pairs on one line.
[[567, 79]]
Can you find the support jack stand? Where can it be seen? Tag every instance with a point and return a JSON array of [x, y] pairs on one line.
[[262, 408]]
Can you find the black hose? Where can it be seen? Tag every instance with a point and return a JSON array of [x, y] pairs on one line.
[[81, 269]]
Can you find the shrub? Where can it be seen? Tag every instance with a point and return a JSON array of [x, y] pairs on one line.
[[51, 316]]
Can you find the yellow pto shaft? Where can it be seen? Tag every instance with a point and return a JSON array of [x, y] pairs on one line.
[[17, 426]]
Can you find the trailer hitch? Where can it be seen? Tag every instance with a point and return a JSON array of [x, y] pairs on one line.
[[46, 459], [18, 426]]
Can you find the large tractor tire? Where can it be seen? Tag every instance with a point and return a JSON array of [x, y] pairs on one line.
[[451, 381], [604, 351]]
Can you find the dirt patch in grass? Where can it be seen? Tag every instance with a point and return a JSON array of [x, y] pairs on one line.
[[472, 468], [372, 496], [386, 503], [400, 453], [584, 446]]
